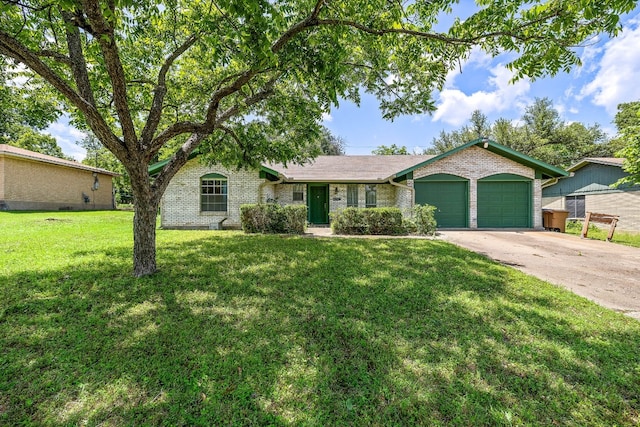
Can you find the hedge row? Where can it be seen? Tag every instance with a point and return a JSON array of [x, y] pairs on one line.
[[384, 221], [273, 218]]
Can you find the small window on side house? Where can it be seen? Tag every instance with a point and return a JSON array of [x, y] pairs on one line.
[[298, 192], [213, 193], [576, 206], [352, 195], [371, 197]]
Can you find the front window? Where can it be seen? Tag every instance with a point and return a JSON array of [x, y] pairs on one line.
[[298, 192], [352, 195], [371, 198], [213, 194]]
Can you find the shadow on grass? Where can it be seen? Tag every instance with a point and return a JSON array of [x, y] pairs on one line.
[[270, 330]]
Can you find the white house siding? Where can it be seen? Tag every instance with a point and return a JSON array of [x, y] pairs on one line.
[[475, 163], [625, 204], [180, 206], [555, 202]]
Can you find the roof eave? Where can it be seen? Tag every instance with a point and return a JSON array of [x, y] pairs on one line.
[[79, 166], [494, 147]]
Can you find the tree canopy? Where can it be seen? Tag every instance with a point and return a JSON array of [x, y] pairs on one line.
[[627, 121], [542, 134], [390, 150], [248, 81], [330, 144]]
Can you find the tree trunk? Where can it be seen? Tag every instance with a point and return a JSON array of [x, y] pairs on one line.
[[144, 237], [144, 221]]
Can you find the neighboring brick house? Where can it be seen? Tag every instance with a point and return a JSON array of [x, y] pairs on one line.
[[478, 185], [35, 181], [590, 189]]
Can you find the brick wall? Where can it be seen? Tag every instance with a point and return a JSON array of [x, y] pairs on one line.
[[180, 205], [2, 205], [475, 163], [32, 185], [284, 194], [385, 196]]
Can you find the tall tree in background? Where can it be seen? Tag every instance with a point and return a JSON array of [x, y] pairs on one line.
[[331, 145], [26, 109], [390, 150], [478, 127], [542, 135], [248, 81], [627, 121]]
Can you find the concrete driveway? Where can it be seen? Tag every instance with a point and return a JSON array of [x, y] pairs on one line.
[[606, 273]]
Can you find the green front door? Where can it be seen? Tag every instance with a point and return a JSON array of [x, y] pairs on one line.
[[504, 204], [318, 204]]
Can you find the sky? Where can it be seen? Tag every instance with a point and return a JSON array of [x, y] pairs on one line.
[[590, 94]]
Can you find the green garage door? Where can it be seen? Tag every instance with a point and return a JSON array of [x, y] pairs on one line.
[[449, 194], [504, 201]]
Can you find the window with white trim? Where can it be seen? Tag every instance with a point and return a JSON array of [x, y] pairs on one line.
[[213, 193]]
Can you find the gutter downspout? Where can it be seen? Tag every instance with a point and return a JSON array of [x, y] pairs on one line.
[[405, 187], [279, 181]]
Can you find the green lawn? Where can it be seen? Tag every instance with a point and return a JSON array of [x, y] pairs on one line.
[[600, 233], [277, 330]]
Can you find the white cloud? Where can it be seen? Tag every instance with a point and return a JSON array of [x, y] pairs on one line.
[[327, 118], [66, 137], [616, 80], [455, 106]]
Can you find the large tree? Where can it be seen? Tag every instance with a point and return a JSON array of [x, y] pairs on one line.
[[627, 121], [390, 150], [543, 135], [330, 144], [248, 81]]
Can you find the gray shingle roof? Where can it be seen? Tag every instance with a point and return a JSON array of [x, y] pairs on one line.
[[609, 161], [348, 168]]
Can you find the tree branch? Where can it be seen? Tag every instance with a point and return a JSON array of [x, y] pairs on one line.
[[298, 28], [10, 47], [176, 162], [166, 135], [105, 36], [155, 114], [78, 63], [56, 56]]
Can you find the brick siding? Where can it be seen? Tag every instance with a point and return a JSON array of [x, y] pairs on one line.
[[476, 163], [31, 185], [180, 205]]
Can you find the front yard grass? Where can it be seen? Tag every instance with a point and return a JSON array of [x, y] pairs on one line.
[[279, 330], [600, 233]]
